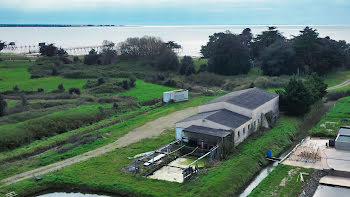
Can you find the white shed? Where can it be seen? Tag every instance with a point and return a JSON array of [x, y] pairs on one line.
[[176, 96]]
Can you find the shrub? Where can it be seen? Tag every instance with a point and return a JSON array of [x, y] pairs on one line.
[[170, 83], [60, 87], [207, 79], [54, 71], [107, 100], [80, 75], [132, 81], [334, 96], [40, 90], [202, 68], [24, 100], [15, 88], [167, 61], [91, 58], [76, 59], [3, 105], [187, 66], [74, 90], [101, 81], [125, 85], [115, 106], [35, 76]]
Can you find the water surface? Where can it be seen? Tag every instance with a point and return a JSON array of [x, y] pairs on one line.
[[190, 37]]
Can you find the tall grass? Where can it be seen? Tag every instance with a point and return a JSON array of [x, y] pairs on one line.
[[337, 116]]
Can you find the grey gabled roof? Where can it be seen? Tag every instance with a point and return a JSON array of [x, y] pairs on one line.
[[228, 118], [248, 98], [222, 116], [207, 131], [344, 131]]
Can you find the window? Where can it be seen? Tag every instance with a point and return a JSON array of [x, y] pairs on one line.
[[243, 131], [238, 134], [249, 126], [254, 123]]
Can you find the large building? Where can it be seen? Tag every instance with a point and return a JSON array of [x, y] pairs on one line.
[[231, 117]]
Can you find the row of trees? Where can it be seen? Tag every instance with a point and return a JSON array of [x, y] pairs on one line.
[[232, 54]]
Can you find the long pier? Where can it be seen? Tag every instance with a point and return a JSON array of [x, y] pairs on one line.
[[33, 49]]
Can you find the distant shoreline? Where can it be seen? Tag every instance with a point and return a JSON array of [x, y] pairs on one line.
[[53, 25], [248, 25]]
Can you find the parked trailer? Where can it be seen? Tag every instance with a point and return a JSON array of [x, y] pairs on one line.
[[176, 96]]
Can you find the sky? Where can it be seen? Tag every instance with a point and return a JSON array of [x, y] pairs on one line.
[[176, 12]]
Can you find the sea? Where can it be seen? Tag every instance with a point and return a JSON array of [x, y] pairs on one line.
[[190, 37]]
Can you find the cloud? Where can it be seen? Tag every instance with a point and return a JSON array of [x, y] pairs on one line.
[[45, 5]]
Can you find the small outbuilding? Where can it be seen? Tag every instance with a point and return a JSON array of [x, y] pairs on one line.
[[175, 95], [342, 142]]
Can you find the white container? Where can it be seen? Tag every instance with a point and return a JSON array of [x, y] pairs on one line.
[[176, 96]]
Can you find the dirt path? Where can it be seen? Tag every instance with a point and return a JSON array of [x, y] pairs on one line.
[[345, 83], [150, 129]]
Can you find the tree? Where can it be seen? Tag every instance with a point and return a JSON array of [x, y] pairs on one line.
[[306, 46], [2, 45], [167, 61], [296, 98], [108, 56], [146, 46], [48, 50], [91, 58], [207, 50], [246, 36], [264, 40], [228, 55], [317, 87], [172, 45], [279, 59], [3, 106], [187, 66]]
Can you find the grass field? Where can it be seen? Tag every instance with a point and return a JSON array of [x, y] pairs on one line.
[[336, 78], [114, 132], [282, 181], [337, 116], [20, 76], [105, 173], [144, 91]]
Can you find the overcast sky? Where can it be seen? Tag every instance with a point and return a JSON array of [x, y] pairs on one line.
[[175, 12]]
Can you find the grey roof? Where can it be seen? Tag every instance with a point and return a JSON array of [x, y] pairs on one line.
[[222, 116], [198, 116], [344, 131], [207, 131], [248, 98], [343, 138]]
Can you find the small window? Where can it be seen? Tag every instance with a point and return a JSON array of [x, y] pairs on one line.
[[243, 132], [249, 126], [238, 134], [254, 123]]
